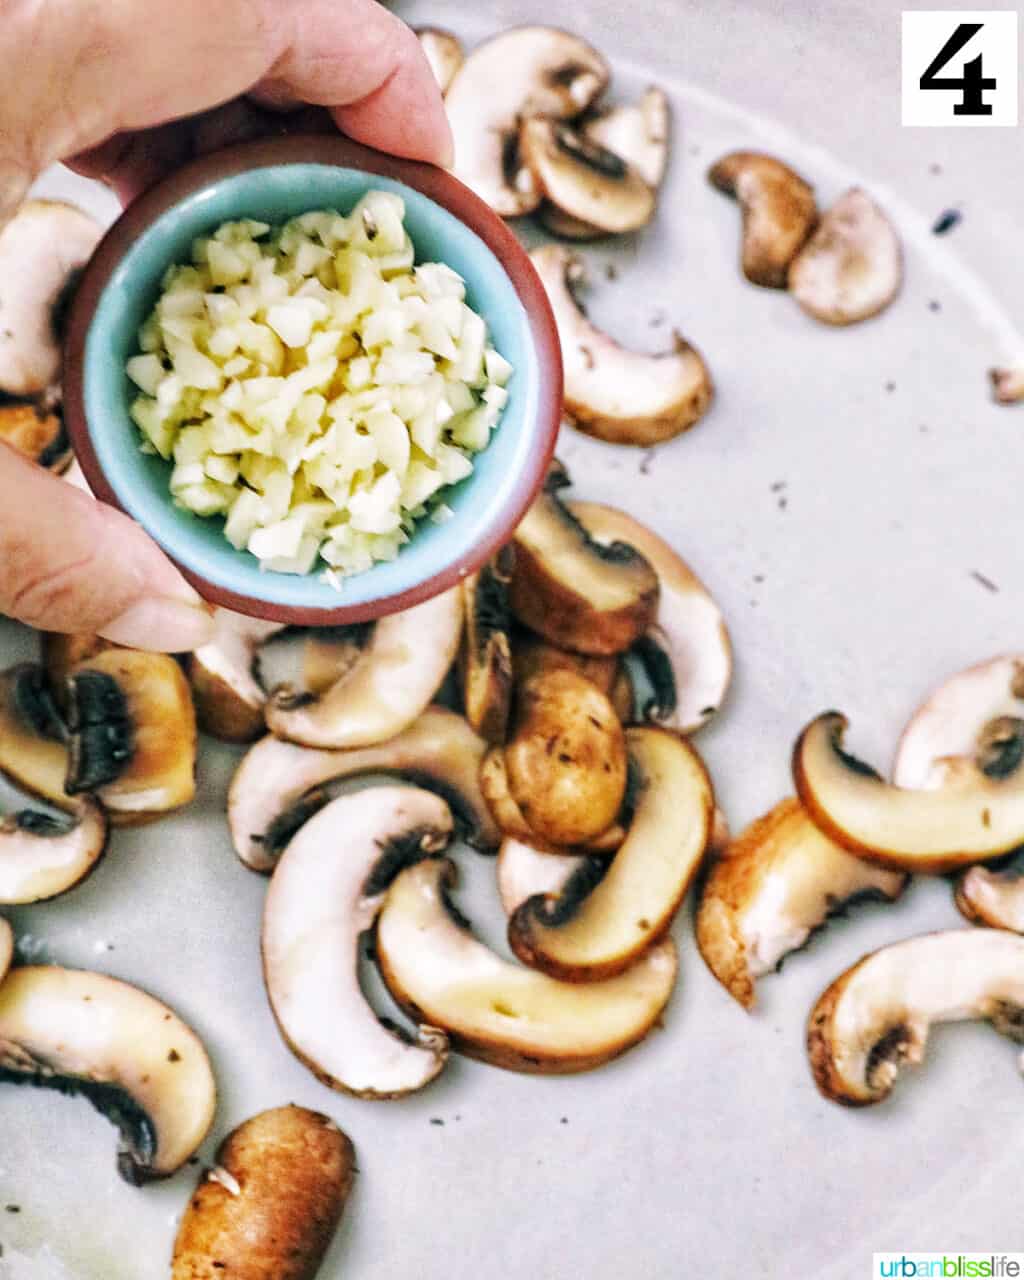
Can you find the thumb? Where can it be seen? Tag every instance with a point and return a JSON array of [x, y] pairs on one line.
[[69, 563]]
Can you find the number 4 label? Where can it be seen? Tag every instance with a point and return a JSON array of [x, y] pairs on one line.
[[960, 68]]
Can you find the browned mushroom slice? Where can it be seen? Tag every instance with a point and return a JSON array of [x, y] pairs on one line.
[[686, 651], [35, 430], [852, 266], [970, 818], [618, 395], [771, 889], [532, 655], [638, 132], [585, 181], [229, 700], [269, 1208], [62, 653], [635, 902], [325, 894], [566, 758], [327, 653], [575, 592], [1008, 384], [779, 212], [485, 658], [877, 1015], [130, 1055], [278, 784], [444, 53], [499, 1012], [41, 249], [6, 947], [42, 856], [132, 734], [33, 746], [524, 72]]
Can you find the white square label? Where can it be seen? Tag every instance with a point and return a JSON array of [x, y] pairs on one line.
[[960, 68]]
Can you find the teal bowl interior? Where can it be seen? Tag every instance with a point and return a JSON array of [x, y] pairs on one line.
[[140, 483]]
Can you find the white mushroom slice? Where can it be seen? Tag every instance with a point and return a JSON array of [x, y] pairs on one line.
[[42, 245], [1008, 384], [773, 887], [327, 654], [977, 714], [325, 894], [229, 700], [444, 53], [584, 940], [852, 266], [618, 395], [637, 132], [971, 818], [525, 871], [993, 897], [496, 1011], [278, 785], [585, 181], [687, 651], [779, 212], [130, 1055], [42, 856], [6, 947], [397, 674], [527, 71], [877, 1014]]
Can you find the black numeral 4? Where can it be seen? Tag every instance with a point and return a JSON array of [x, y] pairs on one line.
[[972, 83]]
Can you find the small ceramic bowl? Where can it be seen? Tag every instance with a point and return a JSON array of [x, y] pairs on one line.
[[273, 181]]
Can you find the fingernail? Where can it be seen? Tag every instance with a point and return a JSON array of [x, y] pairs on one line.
[[163, 625]]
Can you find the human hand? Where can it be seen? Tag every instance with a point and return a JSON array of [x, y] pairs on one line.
[[126, 90]]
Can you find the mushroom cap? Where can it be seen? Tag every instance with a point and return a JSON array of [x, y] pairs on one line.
[[970, 818], [587, 182], [525, 72], [127, 1052], [877, 1014], [635, 902], [485, 658], [623, 396], [33, 753], [444, 53], [779, 212], [496, 1011], [851, 268], [6, 947], [688, 627], [40, 247], [397, 674], [41, 857], [325, 893], [438, 750], [771, 888], [638, 132], [229, 700]]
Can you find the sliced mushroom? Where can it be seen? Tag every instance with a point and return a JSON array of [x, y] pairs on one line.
[[877, 1015], [576, 593], [6, 947], [779, 212], [444, 53], [532, 655], [1008, 384], [583, 179], [327, 653], [638, 132], [326, 892], [852, 266], [132, 734], [993, 896], [229, 700], [485, 657], [977, 714], [130, 1055], [271, 1206], [278, 785], [62, 653], [41, 249], [566, 758], [971, 818], [496, 1011], [42, 856], [771, 889], [636, 901], [405, 659], [625, 397], [33, 747], [527, 71], [524, 871], [35, 429], [686, 651]]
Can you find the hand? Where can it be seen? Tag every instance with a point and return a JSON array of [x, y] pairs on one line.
[[126, 90]]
